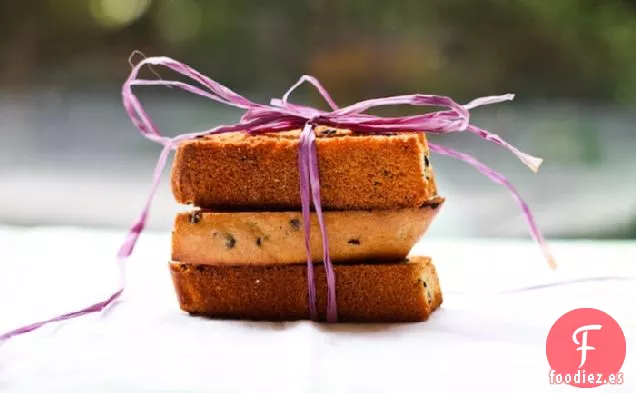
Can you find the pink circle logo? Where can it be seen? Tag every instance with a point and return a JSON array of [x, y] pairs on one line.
[[586, 348]]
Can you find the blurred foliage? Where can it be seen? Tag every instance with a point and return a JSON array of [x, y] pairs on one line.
[[547, 49]]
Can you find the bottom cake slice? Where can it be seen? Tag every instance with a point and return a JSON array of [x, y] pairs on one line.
[[401, 291]]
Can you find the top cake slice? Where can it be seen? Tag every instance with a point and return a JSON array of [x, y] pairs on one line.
[[357, 171]]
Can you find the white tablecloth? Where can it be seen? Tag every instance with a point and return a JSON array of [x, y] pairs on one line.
[[482, 340]]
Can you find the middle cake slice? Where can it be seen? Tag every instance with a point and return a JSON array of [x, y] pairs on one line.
[[264, 238]]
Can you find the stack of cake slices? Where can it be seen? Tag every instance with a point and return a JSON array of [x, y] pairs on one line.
[[241, 252]]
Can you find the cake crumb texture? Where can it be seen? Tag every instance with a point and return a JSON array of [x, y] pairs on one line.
[[357, 171], [401, 291], [261, 238]]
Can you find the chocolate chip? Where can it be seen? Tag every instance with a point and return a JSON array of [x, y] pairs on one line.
[[195, 217], [243, 158], [376, 183], [390, 134], [295, 223], [434, 205], [230, 241], [200, 268], [329, 131], [424, 284], [354, 241], [199, 136], [258, 241], [427, 163]]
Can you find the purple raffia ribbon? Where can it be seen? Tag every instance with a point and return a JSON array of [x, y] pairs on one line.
[[280, 115]]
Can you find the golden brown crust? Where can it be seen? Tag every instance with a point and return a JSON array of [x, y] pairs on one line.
[[259, 238], [388, 292], [261, 171]]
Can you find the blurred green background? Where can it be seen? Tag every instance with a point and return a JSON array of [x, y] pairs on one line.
[[69, 154]]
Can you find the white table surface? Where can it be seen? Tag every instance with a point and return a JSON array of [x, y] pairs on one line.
[[482, 340]]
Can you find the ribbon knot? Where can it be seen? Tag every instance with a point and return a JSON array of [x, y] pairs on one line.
[[314, 120]]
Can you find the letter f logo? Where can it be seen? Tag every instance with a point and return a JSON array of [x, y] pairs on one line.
[[584, 347]]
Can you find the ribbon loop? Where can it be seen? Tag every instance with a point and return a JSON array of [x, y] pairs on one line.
[[312, 80]]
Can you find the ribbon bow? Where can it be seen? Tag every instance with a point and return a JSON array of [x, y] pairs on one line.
[[280, 115]]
